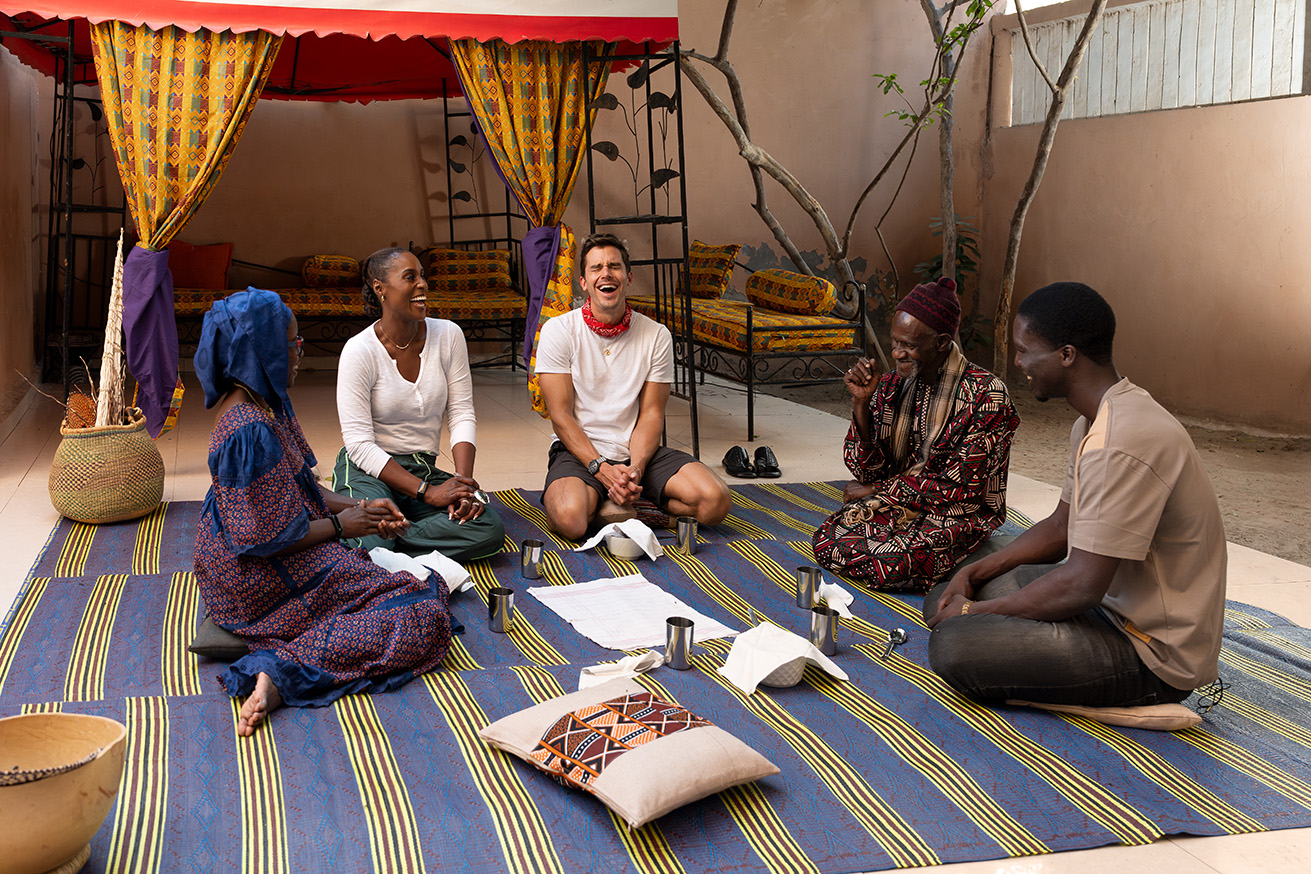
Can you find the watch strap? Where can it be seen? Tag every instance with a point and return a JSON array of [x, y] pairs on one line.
[[422, 490]]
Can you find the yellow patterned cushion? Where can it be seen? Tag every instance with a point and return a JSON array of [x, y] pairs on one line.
[[487, 305], [790, 292], [302, 301], [558, 300], [458, 270], [330, 271], [709, 268], [724, 323]]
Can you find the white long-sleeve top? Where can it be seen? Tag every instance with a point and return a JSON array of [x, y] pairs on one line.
[[382, 413]]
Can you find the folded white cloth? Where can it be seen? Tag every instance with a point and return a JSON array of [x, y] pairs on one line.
[[635, 530], [628, 666], [838, 598], [757, 652], [456, 577]]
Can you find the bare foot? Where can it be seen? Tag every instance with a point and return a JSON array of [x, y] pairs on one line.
[[263, 701]]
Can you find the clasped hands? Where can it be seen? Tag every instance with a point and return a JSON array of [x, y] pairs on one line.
[[623, 482], [959, 593], [379, 516], [458, 496]]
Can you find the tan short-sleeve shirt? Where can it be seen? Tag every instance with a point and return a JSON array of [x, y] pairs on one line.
[[1137, 491]]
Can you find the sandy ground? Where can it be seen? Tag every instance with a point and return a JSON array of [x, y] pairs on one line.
[[1263, 483]]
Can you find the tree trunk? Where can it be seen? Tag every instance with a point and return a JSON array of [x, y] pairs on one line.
[[1001, 326]]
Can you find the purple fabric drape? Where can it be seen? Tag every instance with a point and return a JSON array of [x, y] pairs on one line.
[[150, 333], [540, 246]]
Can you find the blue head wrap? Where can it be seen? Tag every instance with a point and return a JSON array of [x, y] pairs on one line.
[[244, 340]]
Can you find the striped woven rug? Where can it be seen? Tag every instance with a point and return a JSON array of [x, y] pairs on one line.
[[891, 769]]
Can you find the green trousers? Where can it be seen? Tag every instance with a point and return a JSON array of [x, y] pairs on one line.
[[430, 528]]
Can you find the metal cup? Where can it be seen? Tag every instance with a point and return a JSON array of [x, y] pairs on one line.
[[500, 609], [808, 579], [530, 559], [824, 629], [685, 538], [678, 643]]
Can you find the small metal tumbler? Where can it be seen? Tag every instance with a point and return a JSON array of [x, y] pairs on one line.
[[824, 629], [808, 579], [530, 559], [685, 539], [500, 609], [678, 643]]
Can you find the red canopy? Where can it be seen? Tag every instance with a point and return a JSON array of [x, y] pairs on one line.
[[350, 50]]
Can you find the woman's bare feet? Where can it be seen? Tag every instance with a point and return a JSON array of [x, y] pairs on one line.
[[263, 701]]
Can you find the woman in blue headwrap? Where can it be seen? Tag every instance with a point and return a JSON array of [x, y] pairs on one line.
[[321, 619]]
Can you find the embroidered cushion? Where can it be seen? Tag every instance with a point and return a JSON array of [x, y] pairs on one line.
[[724, 323], [709, 268], [789, 292], [199, 266], [640, 755], [458, 270], [330, 271]]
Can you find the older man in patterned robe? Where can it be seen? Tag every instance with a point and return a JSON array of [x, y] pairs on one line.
[[929, 446]]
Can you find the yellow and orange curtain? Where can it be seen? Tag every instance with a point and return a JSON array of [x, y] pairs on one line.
[[530, 99], [176, 104]]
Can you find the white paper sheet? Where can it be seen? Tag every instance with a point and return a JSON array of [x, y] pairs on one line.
[[624, 612]]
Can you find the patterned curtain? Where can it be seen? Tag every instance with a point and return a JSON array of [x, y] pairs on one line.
[[176, 103], [528, 101]]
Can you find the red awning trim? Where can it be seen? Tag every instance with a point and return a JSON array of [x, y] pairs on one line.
[[612, 20]]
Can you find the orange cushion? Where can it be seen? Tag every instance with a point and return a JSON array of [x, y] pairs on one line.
[[330, 271], [458, 270]]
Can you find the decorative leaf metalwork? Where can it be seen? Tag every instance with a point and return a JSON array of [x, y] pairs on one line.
[[457, 167], [606, 101], [638, 77], [660, 178], [661, 100], [607, 148], [459, 140], [462, 195]]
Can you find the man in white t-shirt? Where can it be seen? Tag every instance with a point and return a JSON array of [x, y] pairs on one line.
[[605, 373]]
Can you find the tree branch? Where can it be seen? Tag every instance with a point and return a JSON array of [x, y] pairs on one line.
[[1033, 55]]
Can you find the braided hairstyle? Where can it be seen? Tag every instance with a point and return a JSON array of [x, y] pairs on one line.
[[377, 266]]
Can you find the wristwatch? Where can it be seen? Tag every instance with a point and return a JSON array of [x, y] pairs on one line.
[[423, 487], [594, 466]]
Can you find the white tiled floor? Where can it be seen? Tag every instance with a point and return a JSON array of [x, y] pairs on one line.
[[512, 442]]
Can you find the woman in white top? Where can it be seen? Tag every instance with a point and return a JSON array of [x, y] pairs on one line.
[[397, 382]]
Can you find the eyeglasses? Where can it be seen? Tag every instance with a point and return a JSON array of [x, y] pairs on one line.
[[299, 343]]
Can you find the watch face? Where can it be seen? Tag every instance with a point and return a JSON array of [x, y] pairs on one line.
[[593, 466]]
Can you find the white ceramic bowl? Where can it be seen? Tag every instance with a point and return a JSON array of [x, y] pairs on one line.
[[623, 547], [49, 818], [787, 674]]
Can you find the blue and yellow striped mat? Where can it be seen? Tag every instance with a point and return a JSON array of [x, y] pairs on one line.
[[891, 769]]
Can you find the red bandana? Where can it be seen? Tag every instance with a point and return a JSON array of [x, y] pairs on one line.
[[606, 330]]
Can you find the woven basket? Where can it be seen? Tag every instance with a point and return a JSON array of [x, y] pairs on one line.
[[107, 474]]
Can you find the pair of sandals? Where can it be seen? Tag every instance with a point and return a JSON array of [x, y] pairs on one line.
[[739, 465]]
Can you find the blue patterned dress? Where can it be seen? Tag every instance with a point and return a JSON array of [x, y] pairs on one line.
[[322, 622]]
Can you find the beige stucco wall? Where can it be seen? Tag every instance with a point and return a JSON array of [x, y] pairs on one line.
[[1193, 224], [18, 228]]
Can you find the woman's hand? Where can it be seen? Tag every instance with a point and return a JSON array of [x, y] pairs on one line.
[[855, 490], [379, 517]]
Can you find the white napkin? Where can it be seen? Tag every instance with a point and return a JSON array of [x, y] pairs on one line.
[[757, 652], [628, 666], [838, 598], [456, 577], [635, 530]]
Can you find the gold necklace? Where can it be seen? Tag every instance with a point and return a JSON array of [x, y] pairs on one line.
[[413, 335]]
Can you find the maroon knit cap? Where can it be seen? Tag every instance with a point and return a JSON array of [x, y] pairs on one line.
[[936, 304]]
